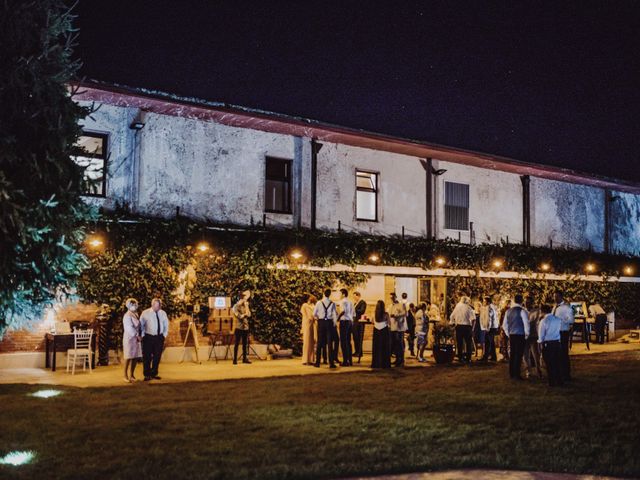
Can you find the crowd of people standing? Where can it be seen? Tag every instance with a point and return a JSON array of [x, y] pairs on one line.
[[524, 331], [527, 332], [330, 328]]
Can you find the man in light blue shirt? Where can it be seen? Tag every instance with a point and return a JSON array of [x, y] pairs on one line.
[[549, 340], [565, 313], [516, 327], [154, 325]]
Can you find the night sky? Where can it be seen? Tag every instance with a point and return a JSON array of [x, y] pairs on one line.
[[554, 84]]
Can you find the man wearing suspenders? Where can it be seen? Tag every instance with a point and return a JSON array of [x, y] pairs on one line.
[[326, 316]]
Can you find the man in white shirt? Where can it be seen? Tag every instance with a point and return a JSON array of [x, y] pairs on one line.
[[326, 316], [463, 317], [516, 327], [549, 340], [565, 313], [154, 325], [600, 317], [345, 318], [397, 316]]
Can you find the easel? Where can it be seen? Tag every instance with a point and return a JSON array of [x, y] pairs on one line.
[[191, 330]]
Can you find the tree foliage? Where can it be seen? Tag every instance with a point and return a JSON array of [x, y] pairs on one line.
[[40, 205]]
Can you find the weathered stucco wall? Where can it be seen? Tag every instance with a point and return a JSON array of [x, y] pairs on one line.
[[401, 197], [495, 203], [570, 215], [625, 217], [210, 171], [215, 172]]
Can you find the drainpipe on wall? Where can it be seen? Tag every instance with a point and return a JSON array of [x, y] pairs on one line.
[[315, 148], [134, 186], [297, 184], [607, 220], [526, 209], [428, 168]]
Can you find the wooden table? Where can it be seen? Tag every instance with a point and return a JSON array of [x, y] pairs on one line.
[[61, 342]]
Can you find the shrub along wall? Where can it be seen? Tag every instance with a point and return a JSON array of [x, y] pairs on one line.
[[623, 298], [144, 258]]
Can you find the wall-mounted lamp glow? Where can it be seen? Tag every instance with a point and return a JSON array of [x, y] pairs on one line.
[[374, 258], [497, 263], [628, 270], [545, 267], [440, 261], [590, 267]]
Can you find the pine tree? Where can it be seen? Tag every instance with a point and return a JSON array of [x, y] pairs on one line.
[[41, 211]]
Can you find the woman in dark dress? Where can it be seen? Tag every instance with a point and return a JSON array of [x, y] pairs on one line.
[[381, 356]]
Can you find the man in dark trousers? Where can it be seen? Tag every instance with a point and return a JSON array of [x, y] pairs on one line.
[[516, 327], [345, 319], [463, 317], [358, 327], [564, 312], [549, 340], [241, 315], [326, 316], [154, 325]]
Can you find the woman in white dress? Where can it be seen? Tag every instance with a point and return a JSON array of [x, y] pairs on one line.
[[131, 340], [308, 331]]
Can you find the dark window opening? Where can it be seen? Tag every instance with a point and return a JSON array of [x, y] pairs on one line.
[[277, 197]]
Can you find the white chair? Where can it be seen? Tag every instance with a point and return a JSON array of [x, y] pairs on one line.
[[81, 349]]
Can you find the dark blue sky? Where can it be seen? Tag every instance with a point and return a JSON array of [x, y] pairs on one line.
[[554, 83]]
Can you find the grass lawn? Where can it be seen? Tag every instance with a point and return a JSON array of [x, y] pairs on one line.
[[327, 426]]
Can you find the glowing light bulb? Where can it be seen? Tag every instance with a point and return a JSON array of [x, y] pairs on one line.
[[590, 267], [296, 255], [95, 242], [498, 263], [628, 270], [203, 247], [545, 267], [440, 261], [374, 257]]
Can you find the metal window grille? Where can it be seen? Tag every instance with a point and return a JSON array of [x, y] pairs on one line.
[[456, 206]]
